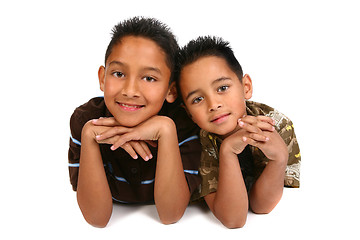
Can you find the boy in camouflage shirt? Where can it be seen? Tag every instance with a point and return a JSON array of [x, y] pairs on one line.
[[250, 150]]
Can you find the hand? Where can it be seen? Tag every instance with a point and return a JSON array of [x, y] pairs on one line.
[[148, 131], [263, 135], [132, 147], [250, 132]]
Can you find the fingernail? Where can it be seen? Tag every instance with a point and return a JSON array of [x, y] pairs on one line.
[[146, 158], [267, 139], [112, 147], [244, 139], [241, 123], [135, 157], [151, 156]]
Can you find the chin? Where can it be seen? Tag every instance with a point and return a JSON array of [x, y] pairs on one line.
[[226, 132], [128, 123]]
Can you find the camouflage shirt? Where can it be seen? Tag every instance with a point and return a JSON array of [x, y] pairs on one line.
[[252, 160]]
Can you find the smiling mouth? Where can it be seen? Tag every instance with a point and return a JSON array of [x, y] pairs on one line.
[[130, 107], [220, 119]]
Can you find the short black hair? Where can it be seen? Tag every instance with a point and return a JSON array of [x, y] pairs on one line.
[[149, 28], [203, 47]]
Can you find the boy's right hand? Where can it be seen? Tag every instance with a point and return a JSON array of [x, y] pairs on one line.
[[96, 127]]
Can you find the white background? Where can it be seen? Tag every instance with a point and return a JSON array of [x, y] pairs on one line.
[[303, 57]]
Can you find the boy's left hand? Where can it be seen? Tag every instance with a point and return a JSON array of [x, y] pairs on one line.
[[274, 147]]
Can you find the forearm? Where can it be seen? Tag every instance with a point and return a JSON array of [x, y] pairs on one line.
[[171, 191], [230, 204], [93, 193], [267, 190]]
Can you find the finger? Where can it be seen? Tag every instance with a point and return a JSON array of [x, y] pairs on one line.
[[146, 149], [251, 141], [257, 122], [129, 149], [256, 119], [249, 127], [266, 119], [258, 137], [110, 121], [125, 138], [265, 126], [151, 143], [249, 119], [141, 149], [111, 133]]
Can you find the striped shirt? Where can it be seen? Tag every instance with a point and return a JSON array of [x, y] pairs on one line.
[[132, 180]]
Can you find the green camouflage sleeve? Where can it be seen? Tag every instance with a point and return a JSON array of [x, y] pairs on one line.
[[285, 128], [209, 165]]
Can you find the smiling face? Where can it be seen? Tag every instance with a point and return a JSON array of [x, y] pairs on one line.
[[135, 80], [213, 94]]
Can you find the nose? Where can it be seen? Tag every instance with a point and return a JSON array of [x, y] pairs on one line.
[[130, 88], [214, 105]]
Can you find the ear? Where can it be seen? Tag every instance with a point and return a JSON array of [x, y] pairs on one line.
[[101, 75], [172, 93], [247, 85]]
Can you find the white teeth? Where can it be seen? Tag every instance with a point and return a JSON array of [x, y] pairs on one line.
[[129, 106]]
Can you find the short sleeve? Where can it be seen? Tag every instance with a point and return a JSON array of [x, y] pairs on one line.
[[190, 150], [74, 149], [94, 108], [209, 166], [285, 128]]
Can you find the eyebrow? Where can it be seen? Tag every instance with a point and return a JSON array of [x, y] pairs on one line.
[[220, 79], [155, 69], [116, 63]]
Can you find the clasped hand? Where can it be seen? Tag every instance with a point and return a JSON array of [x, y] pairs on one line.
[[133, 140], [260, 132]]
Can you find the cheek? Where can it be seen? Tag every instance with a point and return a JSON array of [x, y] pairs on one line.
[[197, 117], [110, 87], [155, 93]]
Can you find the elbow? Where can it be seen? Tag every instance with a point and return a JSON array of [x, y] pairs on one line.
[[99, 222], [233, 223], [99, 218], [261, 211], [169, 218]]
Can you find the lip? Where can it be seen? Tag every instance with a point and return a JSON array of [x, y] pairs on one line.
[[220, 118], [128, 107]]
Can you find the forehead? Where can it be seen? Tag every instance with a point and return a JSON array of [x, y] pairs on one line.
[[204, 71], [138, 51]]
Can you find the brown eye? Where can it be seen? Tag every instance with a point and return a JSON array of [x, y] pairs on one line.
[[149, 79], [118, 74], [222, 88], [197, 100]]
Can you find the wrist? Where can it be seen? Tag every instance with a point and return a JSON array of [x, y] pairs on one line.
[[88, 131], [166, 128], [229, 148]]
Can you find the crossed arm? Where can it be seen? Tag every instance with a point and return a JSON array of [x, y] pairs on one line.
[[231, 202], [93, 193]]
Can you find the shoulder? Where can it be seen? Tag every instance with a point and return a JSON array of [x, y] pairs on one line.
[[94, 108]]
